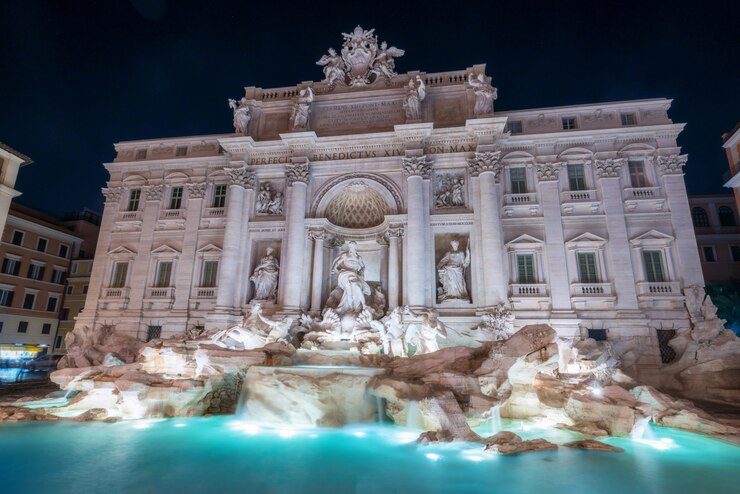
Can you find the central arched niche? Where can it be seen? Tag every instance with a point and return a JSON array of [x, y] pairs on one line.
[[357, 205]]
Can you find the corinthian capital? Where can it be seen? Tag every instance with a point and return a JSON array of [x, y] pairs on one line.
[[196, 191], [609, 168], [112, 194], [417, 166], [297, 172], [547, 172], [489, 161], [241, 177], [671, 165], [154, 192]]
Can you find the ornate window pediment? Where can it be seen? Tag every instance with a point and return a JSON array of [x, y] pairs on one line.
[[525, 242], [165, 251], [586, 240], [121, 254], [652, 238]]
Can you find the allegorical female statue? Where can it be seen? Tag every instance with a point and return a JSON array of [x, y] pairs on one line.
[[350, 270], [265, 277], [451, 271]]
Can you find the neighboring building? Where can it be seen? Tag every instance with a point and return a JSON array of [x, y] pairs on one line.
[[35, 253], [715, 220], [731, 143], [575, 216], [10, 162], [86, 225]]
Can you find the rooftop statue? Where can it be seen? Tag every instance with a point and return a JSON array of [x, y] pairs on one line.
[[242, 115], [484, 94], [301, 109]]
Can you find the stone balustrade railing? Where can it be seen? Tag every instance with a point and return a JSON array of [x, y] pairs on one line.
[[528, 289], [591, 289]]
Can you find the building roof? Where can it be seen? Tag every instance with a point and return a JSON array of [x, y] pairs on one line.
[[36, 216], [731, 135], [25, 160]]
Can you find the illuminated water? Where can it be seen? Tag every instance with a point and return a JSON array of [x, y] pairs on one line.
[[220, 454]]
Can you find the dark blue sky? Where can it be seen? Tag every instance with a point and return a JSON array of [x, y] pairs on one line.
[[77, 76]]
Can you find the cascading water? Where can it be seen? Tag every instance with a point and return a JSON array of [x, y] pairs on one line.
[[494, 419], [59, 401], [641, 431], [413, 416]]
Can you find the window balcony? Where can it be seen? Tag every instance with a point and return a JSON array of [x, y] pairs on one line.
[[591, 289], [215, 212], [659, 289], [205, 292], [116, 292], [172, 214], [528, 289], [633, 193], [160, 292], [578, 196], [515, 199], [129, 216]]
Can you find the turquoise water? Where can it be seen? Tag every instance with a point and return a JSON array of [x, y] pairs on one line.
[[221, 454]]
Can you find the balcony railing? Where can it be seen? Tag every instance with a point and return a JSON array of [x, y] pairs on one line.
[[528, 290], [205, 292], [160, 292], [116, 292], [577, 195], [172, 214], [655, 289], [526, 198], [591, 289], [643, 192], [129, 216], [215, 212]]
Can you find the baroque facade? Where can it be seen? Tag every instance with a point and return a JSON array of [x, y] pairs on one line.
[[575, 216]]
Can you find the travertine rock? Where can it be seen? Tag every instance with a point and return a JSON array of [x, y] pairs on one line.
[[508, 443], [592, 445]]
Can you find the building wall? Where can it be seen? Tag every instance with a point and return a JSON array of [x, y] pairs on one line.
[[75, 293], [731, 143], [10, 163], [716, 241]]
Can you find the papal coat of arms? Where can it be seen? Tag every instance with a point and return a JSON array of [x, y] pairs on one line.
[[361, 60]]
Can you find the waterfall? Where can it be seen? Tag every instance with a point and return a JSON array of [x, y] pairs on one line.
[[642, 430], [413, 416], [494, 419], [380, 407]]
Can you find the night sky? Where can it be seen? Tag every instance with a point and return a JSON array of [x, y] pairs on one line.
[[75, 76]]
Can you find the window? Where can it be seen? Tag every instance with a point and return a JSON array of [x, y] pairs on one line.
[[597, 334], [134, 196], [569, 123], [57, 276], [699, 217], [11, 266], [6, 297], [653, 266], [726, 216], [525, 268], [210, 270], [587, 272], [23, 326], [118, 278], [69, 290], [153, 332], [63, 250], [181, 151], [51, 304], [84, 289], [518, 180], [29, 300], [735, 253], [141, 154], [627, 118], [46, 328], [58, 341], [576, 177], [514, 126], [176, 198], [41, 245], [17, 238], [709, 255], [164, 273], [637, 173], [36, 271], [65, 314], [219, 196], [1, 326], [74, 267]]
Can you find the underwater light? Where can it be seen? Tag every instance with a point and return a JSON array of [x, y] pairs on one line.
[[433, 456], [475, 458], [287, 433], [141, 425], [406, 437], [359, 434], [180, 424], [662, 444]]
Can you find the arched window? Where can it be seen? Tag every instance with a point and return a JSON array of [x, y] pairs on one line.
[[699, 216], [726, 216]]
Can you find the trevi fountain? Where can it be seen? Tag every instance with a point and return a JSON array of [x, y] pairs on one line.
[[412, 295]]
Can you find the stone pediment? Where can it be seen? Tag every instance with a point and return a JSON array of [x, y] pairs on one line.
[[652, 237], [209, 249], [523, 240], [121, 253], [586, 239], [165, 250]]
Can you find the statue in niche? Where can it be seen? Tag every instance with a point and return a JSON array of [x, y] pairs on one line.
[[451, 271], [484, 94], [424, 336], [415, 94], [242, 115], [301, 109], [333, 67], [350, 270], [265, 276], [450, 192], [269, 201]]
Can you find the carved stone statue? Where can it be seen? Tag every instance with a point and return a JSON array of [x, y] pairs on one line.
[[424, 336], [392, 333], [242, 115], [265, 276], [333, 67], [269, 201], [350, 270], [415, 94], [302, 109], [498, 324], [255, 331], [384, 61], [450, 192], [451, 271], [485, 94]]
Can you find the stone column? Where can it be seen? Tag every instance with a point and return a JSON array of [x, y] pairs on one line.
[[393, 235], [670, 169], [228, 270], [557, 265], [416, 168], [297, 175], [487, 167], [138, 278], [317, 274], [608, 172], [186, 263]]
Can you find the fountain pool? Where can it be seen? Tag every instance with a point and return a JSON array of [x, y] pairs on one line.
[[223, 454]]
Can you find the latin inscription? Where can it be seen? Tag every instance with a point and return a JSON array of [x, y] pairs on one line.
[[357, 115]]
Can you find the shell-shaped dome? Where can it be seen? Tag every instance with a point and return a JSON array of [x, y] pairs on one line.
[[357, 206]]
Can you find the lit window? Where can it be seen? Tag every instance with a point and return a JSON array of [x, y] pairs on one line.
[[569, 123], [36, 271], [118, 279], [637, 173], [134, 196], [587, 272], [653, 266], [210, 270], [525, 268], [176, 198], [164, 274], [219, 196], [518, 180], [576, 177], [627, 118], [11, 266]]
